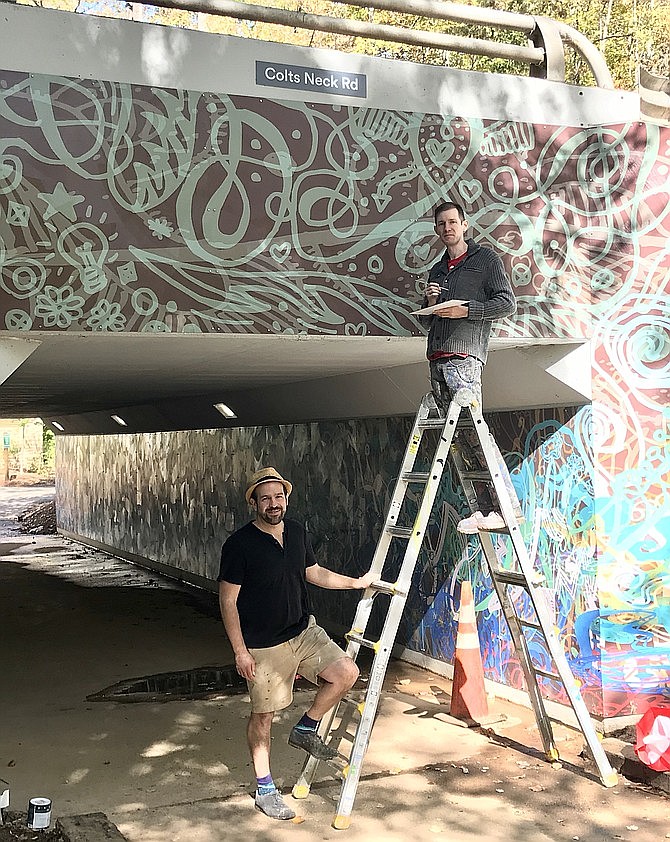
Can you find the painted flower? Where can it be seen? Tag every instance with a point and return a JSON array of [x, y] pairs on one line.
[[106, 316], [58, 306], [160, 227]]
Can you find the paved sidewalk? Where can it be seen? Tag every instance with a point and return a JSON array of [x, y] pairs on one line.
[[74, 621]]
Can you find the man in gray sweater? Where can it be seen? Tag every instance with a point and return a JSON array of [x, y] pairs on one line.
[[471, 289]]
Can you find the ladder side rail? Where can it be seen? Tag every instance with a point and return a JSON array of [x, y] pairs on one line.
[[431, 488], [302, 786], [421, 520], [400, 489], [362, 738], [572, 685], [546, 622], [557, 653], [364, 607], [486, 443], [506, 604], [523, 652], [607, 773], [467, 486]]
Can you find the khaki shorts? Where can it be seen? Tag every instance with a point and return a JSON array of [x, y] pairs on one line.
[[309, 654]]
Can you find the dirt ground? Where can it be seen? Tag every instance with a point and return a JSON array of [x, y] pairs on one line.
[[75, 620], [15, 829], [38, 520], [31, 480]]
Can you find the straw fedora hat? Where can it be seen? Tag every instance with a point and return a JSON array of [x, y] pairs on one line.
[[266, 475]]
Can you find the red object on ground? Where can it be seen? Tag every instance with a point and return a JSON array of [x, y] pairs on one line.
[[468, 696], [653, 739]]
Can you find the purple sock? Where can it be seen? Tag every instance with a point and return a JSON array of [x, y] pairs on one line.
[[265, 785], [307, 723]]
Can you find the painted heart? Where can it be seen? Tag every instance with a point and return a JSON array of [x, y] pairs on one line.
[[280, 251], [422, 251], [439, 152], [470, 190]]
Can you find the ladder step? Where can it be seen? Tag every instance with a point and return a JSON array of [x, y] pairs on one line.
[[388, 588], [400, 531], [484, 476], [529, 624], [509, 577], [552, 675], [416, 476], [432, 424], [357, 704], [356, 637]]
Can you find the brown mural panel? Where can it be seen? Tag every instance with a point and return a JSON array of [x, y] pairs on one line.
[[130, 208]]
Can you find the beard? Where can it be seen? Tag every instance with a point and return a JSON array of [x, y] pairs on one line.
[[272, 518]]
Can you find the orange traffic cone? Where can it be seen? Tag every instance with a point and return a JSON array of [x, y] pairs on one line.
[[468, 696]]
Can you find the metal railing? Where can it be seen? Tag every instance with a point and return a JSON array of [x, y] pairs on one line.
[[544, 53]]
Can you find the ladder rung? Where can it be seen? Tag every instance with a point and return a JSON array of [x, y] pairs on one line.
[[400, 531], [416, 476], [387, 587], [477, 475], [552, 675], [529, 624], [432, 424], [357, 704], [357, 637], [509, 577], [339, 763]]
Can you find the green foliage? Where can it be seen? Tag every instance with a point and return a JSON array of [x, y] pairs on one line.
[[48, 449], [61, 5], [629, 32]]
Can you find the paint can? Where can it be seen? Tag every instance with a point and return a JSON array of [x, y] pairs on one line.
[[39, 813]]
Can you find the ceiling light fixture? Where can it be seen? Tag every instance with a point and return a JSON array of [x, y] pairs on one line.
[[57, 426], [226, 411], [119, 420]]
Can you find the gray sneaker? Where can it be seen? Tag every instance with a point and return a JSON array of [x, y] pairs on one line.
[[273, 805], [312, 743]]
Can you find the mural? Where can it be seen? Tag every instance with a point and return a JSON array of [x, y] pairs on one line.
[[125, 208]]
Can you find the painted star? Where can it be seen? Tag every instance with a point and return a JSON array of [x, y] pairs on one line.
[[60, 201]]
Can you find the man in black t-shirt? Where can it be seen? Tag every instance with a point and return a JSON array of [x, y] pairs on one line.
[[265, 566]]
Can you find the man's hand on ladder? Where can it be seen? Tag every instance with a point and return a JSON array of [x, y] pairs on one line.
[[365, 581]]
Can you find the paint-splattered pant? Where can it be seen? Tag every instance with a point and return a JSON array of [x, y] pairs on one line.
[[447, 376]]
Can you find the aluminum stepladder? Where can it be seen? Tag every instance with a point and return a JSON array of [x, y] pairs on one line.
[[429, 417]]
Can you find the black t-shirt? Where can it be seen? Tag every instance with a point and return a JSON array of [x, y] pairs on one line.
[[272, 603]]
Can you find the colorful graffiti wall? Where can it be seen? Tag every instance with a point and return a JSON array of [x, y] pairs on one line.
[[125, 208]]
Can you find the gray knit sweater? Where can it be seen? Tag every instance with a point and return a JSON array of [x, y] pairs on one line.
[[481, 280]]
